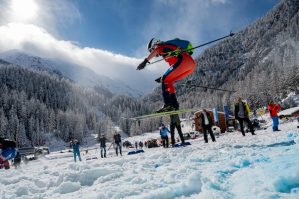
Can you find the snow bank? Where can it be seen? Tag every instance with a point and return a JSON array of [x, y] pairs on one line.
[[261, 166]]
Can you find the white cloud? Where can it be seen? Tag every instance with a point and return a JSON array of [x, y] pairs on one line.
[[38, 33], [36, 40], [188, 19]]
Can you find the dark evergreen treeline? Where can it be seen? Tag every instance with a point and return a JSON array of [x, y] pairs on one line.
[[34, 104]]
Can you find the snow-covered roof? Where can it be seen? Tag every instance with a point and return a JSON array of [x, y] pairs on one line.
[[289, 111]]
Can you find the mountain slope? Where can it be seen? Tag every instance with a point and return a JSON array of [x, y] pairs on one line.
[[82, 75], [35, 103]]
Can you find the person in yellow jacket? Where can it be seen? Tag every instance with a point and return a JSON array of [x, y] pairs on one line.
[[242, 115], [247, 110]]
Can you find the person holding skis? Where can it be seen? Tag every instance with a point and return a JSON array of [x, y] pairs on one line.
[[242, 114], [103, 145], [164, 135], [175, 52], [117, 142], [273, 109], [7, 152], [76, 150]]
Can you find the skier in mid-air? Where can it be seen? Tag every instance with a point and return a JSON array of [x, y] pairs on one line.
[[181, 65]]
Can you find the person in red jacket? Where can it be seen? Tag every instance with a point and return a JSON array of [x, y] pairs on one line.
[[273, 109], [181, 65]]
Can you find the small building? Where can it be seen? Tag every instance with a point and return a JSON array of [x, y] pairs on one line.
[[221, 117]]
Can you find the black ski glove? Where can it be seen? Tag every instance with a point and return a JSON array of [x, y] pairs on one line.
[[143, 64], [158, 80]]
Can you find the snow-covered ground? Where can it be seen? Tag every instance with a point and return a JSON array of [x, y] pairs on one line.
[[264, 166]]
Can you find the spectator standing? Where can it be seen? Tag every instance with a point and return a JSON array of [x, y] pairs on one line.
[[207, 123], [117, 142], [103, 146], [164, 135], [273, 109], [76, 150], [242, 114], [140, 144], [175, 123]]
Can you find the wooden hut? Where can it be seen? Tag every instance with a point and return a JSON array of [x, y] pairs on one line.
[[221, 118]]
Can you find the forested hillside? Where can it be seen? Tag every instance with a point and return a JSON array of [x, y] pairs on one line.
[[34, 104]]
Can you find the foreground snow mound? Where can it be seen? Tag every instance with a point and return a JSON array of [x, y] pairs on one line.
[[263, 166]]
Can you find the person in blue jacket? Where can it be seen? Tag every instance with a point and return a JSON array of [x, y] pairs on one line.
[[7, 152], [164, 135], [76, 151]]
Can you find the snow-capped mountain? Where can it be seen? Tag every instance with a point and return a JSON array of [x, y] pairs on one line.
[[79, 74]]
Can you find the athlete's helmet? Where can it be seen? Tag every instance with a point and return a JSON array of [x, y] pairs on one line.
[[152, 44]]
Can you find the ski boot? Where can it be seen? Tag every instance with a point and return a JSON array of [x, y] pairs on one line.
[[165, 108], [174, 102]]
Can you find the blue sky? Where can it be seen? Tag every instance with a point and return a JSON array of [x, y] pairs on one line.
[[110, 36], [122, 26]]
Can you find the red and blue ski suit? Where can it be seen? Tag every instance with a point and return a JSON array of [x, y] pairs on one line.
[[181, 66]]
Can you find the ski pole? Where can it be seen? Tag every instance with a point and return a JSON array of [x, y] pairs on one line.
[[110, 146], [230, 35], [212, 88]]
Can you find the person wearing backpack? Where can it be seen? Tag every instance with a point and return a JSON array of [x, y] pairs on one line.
[[7, 152], [177, 53]]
